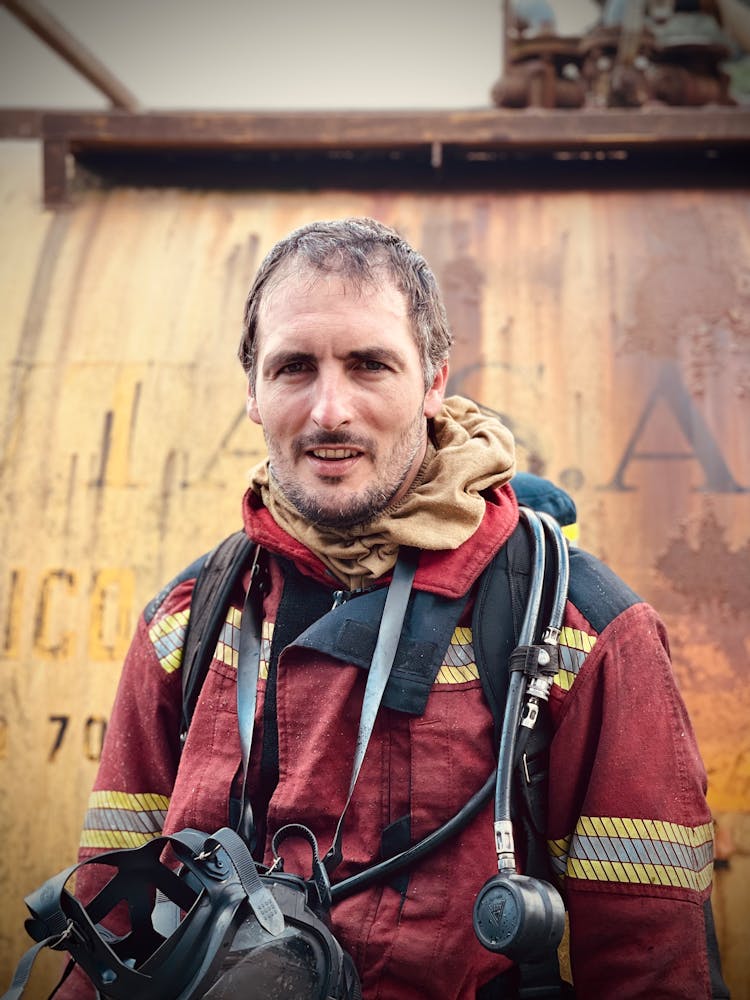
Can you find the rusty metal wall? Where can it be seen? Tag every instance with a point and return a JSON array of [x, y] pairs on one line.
[[610, 328]]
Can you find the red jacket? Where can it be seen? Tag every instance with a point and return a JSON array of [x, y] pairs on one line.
[[629, 829]]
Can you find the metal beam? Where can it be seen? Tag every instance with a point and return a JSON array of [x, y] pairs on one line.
[[490, 128], [437, 137], [57, 36]]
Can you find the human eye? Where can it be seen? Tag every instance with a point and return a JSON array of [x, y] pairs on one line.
[[292, 368], [289, 365], [373, 365], [373, 362]]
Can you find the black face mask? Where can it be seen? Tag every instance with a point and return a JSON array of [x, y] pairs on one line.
[[221, 928], [305, 961]]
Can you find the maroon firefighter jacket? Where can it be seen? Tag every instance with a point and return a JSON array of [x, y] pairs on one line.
[[629, 831]]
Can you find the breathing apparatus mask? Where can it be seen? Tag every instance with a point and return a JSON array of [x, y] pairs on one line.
[[224, 927], [221, 928]]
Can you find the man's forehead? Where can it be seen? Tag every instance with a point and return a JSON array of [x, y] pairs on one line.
[[297, 279]]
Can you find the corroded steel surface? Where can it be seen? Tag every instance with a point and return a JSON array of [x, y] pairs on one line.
[[610, 329]]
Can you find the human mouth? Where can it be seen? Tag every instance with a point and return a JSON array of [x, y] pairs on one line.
[[334, 454]]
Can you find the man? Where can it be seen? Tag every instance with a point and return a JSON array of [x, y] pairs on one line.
[[346, 349]]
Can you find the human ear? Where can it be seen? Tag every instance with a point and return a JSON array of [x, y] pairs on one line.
[[434, 396], [251, 406]]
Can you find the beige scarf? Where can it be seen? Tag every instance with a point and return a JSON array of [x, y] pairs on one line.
[[443, 508]]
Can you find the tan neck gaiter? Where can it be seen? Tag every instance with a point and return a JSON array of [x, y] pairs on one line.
[[442, 509]]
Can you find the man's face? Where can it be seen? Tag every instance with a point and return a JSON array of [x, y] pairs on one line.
[[340, 395]]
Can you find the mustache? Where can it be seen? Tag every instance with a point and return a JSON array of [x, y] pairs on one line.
[[332, 439]]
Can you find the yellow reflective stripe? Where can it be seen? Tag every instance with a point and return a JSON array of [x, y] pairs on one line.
[[122, 819], [228, 644], [124, 800], [229, 654], [564, 679], [571, 532], [639, 874], [558, 857], [458, 665], [114, 839], [167, 635], [575, 645], [637, 851], [225, 654], [652, 829], [457, 675], [574, 638], [559, 848], [266, 637], [462, 636]]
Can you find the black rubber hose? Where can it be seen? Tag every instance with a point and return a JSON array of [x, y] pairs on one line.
[[384, 869]]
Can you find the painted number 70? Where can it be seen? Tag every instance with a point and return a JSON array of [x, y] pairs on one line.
[[94, 729]]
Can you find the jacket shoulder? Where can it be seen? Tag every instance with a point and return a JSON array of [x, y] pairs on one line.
[[596, 591], [190, 572], [223, 560]]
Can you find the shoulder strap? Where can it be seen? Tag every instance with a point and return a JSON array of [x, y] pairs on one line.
[[598, 593], [218, 576], [497, 617]]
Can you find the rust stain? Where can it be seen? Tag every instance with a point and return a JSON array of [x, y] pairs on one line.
[[14, 608], [709, 575], [691, 289], [707, 617], [239, 268], [50, 255], [87, 257]]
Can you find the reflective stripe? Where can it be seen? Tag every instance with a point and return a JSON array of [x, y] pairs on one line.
[[119, 819], [636, 851], [228, 643], [227, 647], [575, 645], [168, 636], [266, 636], [558, 855], [571, 532], [114, 839], [458, 664], [126, 800]]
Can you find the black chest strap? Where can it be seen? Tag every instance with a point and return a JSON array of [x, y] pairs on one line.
[[217, 579]]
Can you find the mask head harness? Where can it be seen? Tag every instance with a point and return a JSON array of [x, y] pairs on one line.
[[221, 928]]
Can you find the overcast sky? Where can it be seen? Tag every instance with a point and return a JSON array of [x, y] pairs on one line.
[[257, 54]]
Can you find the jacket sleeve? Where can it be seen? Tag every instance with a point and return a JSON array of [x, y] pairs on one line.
[[132, 790], [630, 830]]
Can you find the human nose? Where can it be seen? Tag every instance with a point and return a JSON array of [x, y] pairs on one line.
[[331, 406]]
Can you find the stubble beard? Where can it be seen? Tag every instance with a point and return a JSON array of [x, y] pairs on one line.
[[364, 506]]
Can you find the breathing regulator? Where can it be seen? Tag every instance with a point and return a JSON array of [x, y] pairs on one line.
[[520, 917]]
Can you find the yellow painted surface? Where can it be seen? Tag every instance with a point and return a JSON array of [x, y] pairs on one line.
[[125, 448]]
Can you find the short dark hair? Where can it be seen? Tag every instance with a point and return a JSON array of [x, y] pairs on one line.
[[359, 250]]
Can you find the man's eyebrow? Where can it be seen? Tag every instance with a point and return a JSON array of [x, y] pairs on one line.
[[381, 354], [278, 359]]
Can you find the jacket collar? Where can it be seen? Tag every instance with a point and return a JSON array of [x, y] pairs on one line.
[[446, 572]]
